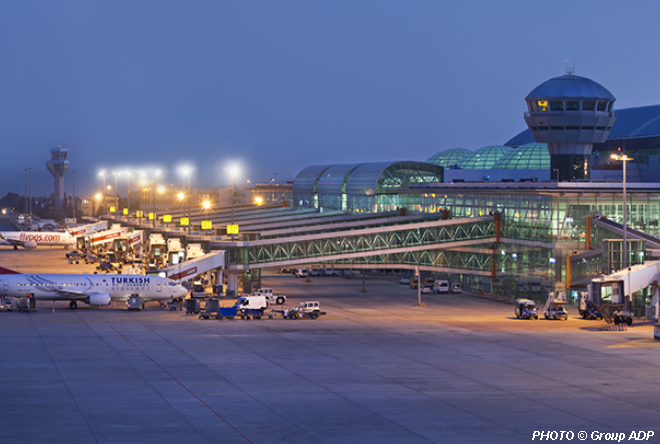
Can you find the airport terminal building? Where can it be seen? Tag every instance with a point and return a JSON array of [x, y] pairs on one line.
[[545, 181]]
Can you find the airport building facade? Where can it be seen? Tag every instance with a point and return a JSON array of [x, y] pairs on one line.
[[545, 181]]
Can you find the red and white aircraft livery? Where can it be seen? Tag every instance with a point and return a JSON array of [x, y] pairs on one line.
[[93, 289], [31, 239]]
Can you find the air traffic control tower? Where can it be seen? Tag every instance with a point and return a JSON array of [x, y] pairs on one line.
[[570, 114], [57, 165]]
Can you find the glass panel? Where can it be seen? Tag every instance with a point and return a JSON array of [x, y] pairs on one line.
[[601, 106], [543, 105], [556, 106], [572, 105], [588, 106]]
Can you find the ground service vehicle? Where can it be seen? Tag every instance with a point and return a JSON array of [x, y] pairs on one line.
[[554, 307], [456, 288], [526, 309], [301, 273], [414, 283], [198, 290], [251, 302], [278, 299], [427, 289], [308, 309], [441, 286], [404, 280]]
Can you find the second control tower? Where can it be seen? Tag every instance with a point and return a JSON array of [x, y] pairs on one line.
[[57, 165], [570, 114]]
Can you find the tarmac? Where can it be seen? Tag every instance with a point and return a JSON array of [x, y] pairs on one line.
[[375, 369]]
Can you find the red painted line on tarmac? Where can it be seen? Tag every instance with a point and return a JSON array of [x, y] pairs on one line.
[[179, 382]]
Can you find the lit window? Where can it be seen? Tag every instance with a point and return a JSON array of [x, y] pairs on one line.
[[543, 105]]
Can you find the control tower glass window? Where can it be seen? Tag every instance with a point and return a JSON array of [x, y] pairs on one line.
[[572, 105], [531, 106], [543, 105], [601, 106], [556, 106], [588, 106]]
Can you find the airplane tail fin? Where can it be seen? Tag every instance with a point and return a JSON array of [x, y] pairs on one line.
[[8, 271]]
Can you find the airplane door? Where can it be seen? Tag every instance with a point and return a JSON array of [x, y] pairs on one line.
[[158, 287]]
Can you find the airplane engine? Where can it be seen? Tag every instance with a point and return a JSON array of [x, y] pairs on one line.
[[99, 299], [30, 245]]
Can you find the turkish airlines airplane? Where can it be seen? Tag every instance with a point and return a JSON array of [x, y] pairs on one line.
[[94, 289], [30, 239]]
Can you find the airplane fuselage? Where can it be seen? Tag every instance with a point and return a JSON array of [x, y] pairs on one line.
[[32, 239], [92, 289]]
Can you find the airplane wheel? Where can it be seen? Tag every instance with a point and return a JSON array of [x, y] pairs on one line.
[[73, 305], [15, 247]]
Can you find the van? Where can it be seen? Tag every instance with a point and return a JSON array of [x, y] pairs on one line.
[[198, 290], [251, 302], [441, 286]]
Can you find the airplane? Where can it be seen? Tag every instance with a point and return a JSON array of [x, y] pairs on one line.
[[30, 239], [94, 289]]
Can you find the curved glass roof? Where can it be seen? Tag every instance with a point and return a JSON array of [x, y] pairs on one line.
[[306, 180], [484, 158], [570, 86], [449, 158], [381, 177], [333, 180], [533, 156], [642, 121]]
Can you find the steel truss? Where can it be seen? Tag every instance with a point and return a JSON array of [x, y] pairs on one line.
[[407, 244]]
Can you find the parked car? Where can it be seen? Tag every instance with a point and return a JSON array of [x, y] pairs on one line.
[[404, 280], [427, 289], [301, 273], [441, 286], [456, 288]]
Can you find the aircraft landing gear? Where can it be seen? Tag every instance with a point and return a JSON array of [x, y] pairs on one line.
[[15, 247], [73, 305]]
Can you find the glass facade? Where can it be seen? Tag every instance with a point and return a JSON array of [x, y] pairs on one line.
[[449, 158], [532, 156], [484, 158]]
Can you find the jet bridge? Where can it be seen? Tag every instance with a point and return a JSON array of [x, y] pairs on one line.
[[617, 288], [185, 271]]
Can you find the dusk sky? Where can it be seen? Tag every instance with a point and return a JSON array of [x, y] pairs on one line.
[[280, 85]]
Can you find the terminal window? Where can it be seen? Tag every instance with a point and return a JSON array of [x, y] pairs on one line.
[[556, 106], [588, 106]]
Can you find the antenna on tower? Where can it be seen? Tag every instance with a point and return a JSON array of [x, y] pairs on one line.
[[569, 70]]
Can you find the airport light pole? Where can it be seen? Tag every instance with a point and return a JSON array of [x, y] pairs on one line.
[[233, 172], [73, 174], [624, 158], [186, 172], [102, 174]]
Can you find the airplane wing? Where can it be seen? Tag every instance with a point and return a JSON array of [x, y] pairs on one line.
[[5, 241], [70, 294]]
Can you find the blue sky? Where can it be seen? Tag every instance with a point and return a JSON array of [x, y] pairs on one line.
[[280, 85]]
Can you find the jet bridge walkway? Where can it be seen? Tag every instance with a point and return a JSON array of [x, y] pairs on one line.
[[426, 243]]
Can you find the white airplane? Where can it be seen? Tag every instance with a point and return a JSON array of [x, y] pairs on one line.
[[93, 289], [30, 239]]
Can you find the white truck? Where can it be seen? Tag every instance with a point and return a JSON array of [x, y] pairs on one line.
[[278, 299], [251, 302]]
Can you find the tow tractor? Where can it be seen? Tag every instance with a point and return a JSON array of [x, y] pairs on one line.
[[554, 307], [308, 309]]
